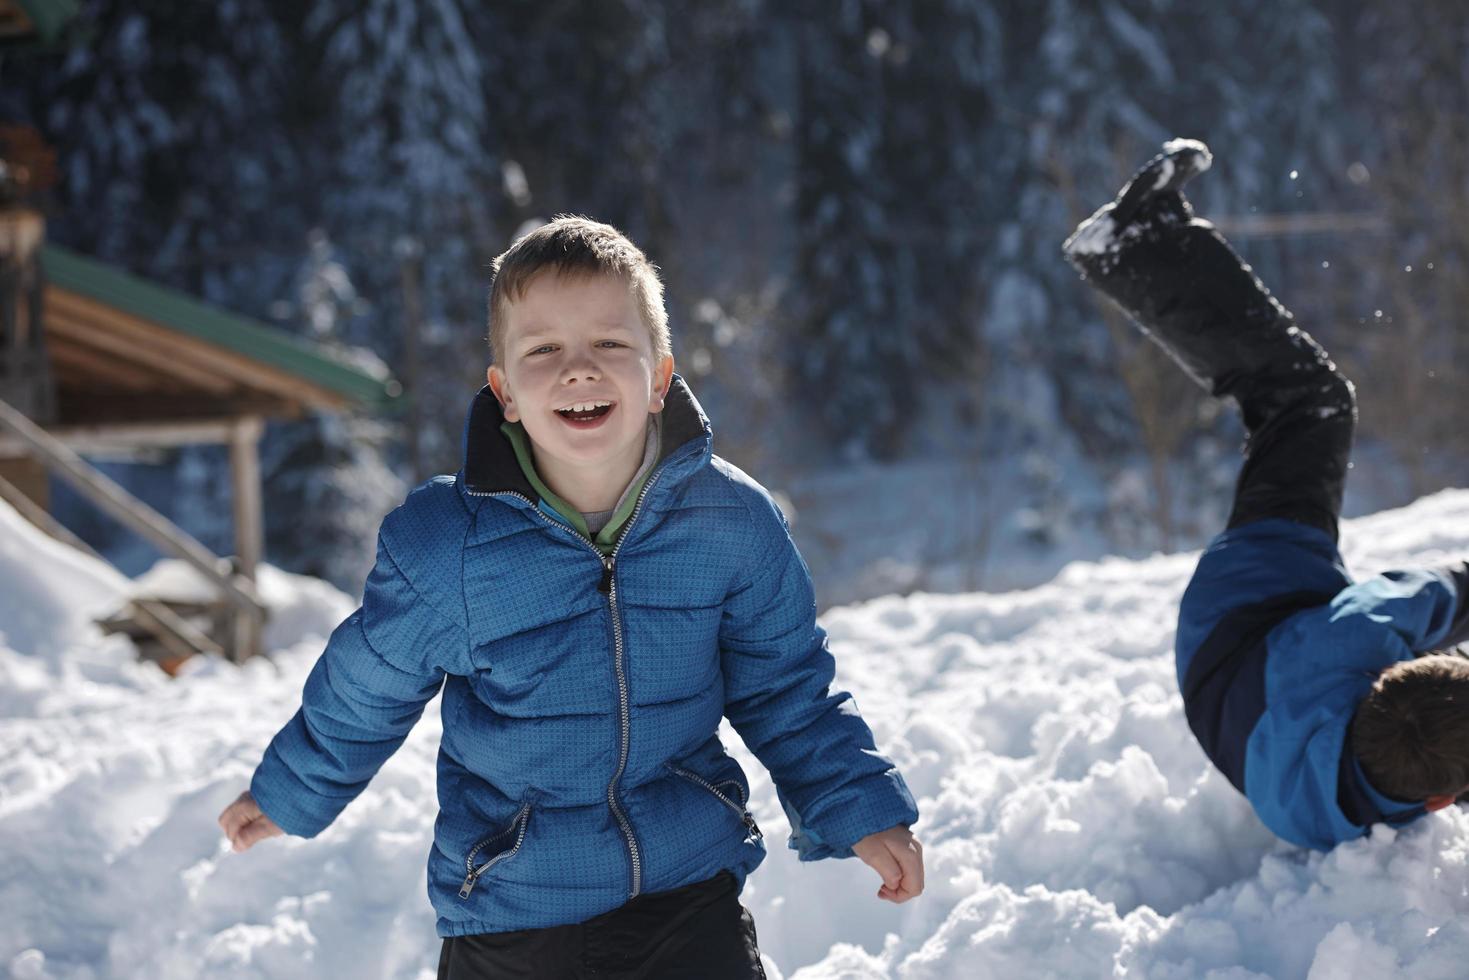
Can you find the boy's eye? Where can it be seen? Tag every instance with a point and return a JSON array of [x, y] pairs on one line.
[[609, 343], [544, 348]]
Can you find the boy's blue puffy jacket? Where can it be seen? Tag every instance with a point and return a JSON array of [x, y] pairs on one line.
[[580, 763], [1275, 648]]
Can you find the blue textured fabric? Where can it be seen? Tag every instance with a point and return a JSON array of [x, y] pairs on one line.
[[477, 591], [1314, 666]]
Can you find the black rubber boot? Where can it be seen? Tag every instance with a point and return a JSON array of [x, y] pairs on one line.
[[1189, 291]]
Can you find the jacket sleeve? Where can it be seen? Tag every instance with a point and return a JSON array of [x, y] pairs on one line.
[[368, 689], [833, 784], [1427, 607], [1456, 577]]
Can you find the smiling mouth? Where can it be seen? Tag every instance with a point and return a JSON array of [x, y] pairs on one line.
[[590, 412]]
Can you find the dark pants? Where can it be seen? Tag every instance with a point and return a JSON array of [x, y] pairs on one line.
[[1188, 289], [700, 932]]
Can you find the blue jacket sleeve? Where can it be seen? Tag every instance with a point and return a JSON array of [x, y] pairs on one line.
[[833, 784], [1427, 608], [1321, 663], [368, 689]]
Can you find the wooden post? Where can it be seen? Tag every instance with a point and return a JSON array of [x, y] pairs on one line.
[[25, 377], [249, 527], [245, 467]]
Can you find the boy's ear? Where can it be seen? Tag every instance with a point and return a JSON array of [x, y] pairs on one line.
[[502, 394], [662, 380], [1438, 802]]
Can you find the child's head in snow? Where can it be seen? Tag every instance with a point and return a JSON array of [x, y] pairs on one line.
[[1411, 732]]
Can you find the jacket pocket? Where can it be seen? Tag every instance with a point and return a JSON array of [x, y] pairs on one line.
[[497, 848], [737, 805]]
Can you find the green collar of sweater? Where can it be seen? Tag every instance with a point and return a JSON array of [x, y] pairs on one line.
[[606, 538]]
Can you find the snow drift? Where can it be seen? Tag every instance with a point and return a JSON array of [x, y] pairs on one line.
[[1072, 826]]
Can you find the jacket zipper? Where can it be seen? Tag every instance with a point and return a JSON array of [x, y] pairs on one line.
[[752, 829], [521, 821], [608, 587]]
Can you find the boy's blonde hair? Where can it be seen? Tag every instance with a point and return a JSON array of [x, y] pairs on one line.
[[573, 245]]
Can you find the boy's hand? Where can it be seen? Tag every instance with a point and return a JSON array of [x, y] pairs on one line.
[[896, 855], [246, 825]]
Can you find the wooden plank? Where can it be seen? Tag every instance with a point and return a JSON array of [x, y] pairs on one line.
[[103, 440], [179, 636], [156, 353], [196, 353], [131, 511], [39, 516], [85, 408], [71, 362]]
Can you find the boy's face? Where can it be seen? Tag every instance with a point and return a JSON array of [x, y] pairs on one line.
[[577, 369]]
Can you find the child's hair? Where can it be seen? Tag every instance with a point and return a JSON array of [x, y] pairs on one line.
[[573, 245], [1411, 732]]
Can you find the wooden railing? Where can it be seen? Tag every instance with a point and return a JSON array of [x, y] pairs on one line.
[[25, 375], [237, 589]]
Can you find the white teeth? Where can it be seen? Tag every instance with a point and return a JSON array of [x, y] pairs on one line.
[[585, 406]]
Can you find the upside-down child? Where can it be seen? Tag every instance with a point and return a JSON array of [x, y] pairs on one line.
[[1332, 705]]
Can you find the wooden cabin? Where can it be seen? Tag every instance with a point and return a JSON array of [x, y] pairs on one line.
[[94, 360]]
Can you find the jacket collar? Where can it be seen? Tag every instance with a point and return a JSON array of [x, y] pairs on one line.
[[490, 465]]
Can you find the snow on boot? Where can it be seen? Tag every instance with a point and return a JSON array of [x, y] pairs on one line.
[[1152, 198], [1191, 293], [1184, 285]]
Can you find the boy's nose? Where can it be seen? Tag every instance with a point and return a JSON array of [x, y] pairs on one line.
[[580, 369]]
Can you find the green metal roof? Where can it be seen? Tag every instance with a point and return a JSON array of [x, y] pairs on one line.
[[49, 16], [242, 335]]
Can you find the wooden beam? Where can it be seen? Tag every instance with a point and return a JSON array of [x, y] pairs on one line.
[[157, 353], [131, 511], [39, 516], [179, 636], [73, 363], [105, 440], [153, 354], [80, 407], [197, 354]]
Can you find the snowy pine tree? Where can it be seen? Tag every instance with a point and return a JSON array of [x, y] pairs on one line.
[[891, 214]]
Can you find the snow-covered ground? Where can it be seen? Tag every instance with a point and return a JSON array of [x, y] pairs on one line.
[[1073, 828]]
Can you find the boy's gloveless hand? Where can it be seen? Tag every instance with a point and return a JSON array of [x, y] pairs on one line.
[[245, 824], [897, 857]]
